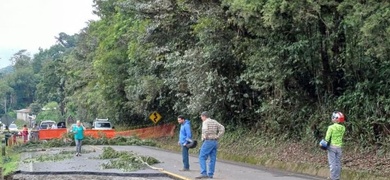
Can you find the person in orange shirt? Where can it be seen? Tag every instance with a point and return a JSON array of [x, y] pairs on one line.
[[25, 133]]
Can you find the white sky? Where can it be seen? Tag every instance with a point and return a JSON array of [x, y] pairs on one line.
[[30, 24]]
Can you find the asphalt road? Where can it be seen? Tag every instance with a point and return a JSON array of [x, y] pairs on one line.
[[170, 164]]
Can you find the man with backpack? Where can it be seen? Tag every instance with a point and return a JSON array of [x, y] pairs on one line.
[[184, 136]]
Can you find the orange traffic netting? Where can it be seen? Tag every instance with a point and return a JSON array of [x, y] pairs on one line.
[[45, 134], [143, 133], [150, 132], [100, 133]]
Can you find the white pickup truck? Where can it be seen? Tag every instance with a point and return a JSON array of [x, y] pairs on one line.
[[102, 124]]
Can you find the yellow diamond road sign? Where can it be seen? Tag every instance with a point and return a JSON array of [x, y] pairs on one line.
[[155, 117]]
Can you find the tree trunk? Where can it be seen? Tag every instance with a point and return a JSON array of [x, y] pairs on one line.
[[326, 71]]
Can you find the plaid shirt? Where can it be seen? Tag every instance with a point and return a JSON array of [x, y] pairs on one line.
[[211, 129]]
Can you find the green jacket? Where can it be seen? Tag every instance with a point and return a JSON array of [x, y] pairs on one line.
[[78, 132], [335, 134]]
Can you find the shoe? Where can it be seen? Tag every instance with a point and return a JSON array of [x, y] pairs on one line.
[[77, 154], [202, 177], [184, 169]]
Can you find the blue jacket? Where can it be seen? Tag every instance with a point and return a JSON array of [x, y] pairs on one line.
[[185, 132]]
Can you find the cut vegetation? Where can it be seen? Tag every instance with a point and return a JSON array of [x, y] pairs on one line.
[[125, 161]]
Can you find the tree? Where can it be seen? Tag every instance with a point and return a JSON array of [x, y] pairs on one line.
[[51, 66], [22, 81], [275, 67], [5, 93], [21, 59], [50, 112]]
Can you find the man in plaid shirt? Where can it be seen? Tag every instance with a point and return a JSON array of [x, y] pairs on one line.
[[211, 132]]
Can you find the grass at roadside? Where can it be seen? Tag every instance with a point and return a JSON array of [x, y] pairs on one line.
[[10, 161]]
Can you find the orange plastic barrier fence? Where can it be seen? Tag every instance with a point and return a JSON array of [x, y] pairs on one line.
[[45, 134], [143, 133], [99, 133], [151, 132]]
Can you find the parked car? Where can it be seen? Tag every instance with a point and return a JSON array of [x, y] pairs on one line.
[[46, 124], [13, 128], [61, 125], [102, 124]]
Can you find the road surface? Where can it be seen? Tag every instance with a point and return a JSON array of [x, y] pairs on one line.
[[170, 165]]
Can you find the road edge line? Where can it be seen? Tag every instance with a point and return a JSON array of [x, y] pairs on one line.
[[177, 176]]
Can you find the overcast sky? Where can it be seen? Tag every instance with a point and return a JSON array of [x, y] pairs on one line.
[[30, 24]]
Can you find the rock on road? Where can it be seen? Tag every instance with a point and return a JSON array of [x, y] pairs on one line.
[[170, 164]]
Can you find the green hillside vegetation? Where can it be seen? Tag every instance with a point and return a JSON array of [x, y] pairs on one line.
[[274, 68], [6, 70]]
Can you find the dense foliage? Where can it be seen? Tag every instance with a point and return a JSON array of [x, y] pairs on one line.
[[275, 67]]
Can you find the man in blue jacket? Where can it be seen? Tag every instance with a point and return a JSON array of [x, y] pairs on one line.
[[184, 136]]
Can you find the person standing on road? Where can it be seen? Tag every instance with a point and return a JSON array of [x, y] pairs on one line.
[[184, 136], [25, 133], [334, 135], [212, 130], [34, 132], [78, 131]]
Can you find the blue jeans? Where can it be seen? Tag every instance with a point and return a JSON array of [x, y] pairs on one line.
[[184, 152], [334, 158], [79, 142], [209, 148]]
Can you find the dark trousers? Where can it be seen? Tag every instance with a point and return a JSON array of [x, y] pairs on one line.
[[184, 151]]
